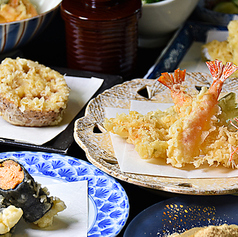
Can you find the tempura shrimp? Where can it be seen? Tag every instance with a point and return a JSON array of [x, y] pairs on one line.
[[174, 83], [188, 132]]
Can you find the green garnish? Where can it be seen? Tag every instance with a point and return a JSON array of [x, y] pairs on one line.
[[235, 2], [227, 7], [151, 1], [228, 107]]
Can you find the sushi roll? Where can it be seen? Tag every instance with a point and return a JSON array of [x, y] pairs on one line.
[[9, 217], [19, 189]]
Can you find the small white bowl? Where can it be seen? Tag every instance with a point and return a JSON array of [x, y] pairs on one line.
[[16, 34], [159, 20]]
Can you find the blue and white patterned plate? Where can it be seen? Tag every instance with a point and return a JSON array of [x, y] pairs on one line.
[[108, 201]]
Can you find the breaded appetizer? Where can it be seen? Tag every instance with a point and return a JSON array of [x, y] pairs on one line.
[[31, 94]]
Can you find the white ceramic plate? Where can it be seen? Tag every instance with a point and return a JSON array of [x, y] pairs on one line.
[[108, 202]]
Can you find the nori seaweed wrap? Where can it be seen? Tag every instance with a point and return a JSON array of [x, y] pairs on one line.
[[19, 188]]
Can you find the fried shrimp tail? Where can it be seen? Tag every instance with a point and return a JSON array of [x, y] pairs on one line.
[[194, 127], [174, 82], [219, 73]]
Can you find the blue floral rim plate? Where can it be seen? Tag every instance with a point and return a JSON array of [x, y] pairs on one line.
[[108, 201], [182, 213]]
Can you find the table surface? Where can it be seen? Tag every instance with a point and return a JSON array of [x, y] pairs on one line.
[[49, 49]]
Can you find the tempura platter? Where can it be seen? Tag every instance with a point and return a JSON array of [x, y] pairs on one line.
[[91, 136]]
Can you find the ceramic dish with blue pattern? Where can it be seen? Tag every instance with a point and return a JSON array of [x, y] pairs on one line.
[[107, 200], [179, 46], [17, 33]]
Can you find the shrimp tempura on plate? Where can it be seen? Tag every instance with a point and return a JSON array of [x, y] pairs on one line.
[[196, 122], [190, 132]]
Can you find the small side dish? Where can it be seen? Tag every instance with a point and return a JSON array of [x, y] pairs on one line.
[[225, 51], [228, 7], [218, 231], [31, 94], [26, 197], [193, 131], [15, 10]]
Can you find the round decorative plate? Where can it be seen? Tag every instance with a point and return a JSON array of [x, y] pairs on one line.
[[98, 146], [183, 213], [108, 202]]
